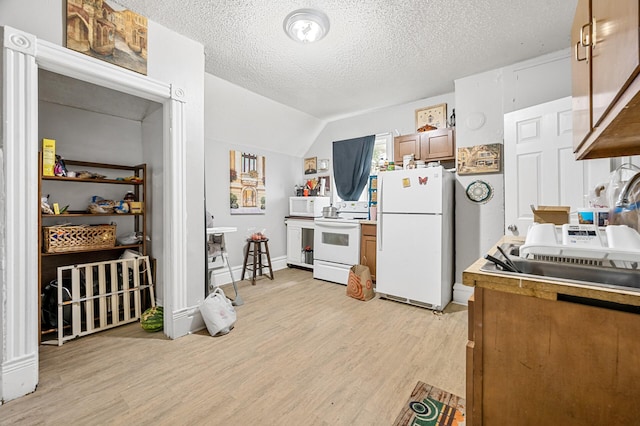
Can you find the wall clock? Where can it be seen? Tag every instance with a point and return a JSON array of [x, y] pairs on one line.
[[435, 116]]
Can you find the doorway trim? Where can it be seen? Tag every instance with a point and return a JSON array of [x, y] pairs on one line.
[[22, 55]]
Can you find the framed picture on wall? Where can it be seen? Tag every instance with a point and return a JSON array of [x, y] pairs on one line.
[[119, 36], [247, 188], [480, 159], [433, 116], [323, 165], [310, 166]]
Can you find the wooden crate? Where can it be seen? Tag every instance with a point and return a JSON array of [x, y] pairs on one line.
[[61, 239], [103, 295]]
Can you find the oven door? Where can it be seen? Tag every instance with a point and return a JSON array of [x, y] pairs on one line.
[[337, 241]]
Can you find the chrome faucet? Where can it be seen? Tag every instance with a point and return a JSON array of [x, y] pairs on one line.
[[623, 197]]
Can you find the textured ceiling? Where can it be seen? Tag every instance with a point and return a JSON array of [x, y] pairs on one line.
[[377, 53]]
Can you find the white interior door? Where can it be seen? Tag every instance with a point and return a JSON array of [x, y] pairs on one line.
[[539, 164]]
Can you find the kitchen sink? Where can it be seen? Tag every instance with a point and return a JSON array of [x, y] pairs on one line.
[[593, 275]]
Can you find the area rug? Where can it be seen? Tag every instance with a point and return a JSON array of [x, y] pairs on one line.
[[430, 406]]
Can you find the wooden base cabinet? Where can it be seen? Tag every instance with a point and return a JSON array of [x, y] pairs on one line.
[[544, 361], [368, 247]]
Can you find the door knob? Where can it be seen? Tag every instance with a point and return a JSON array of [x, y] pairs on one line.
[[512, 228]]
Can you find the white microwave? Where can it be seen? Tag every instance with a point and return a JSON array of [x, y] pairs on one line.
[[308, 206]]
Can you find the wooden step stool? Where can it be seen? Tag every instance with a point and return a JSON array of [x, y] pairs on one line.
[[257, 249]]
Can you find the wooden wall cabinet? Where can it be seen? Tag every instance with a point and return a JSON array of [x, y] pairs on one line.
[[605, 83], [434, 145], [368, 247]]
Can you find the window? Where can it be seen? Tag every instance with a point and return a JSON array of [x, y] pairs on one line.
[[382, 149]]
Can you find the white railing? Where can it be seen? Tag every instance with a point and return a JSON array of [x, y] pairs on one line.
[[100, 296]]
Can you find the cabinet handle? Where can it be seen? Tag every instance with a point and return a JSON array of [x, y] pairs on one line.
[[578, 58], [584, 36], [593, 32]]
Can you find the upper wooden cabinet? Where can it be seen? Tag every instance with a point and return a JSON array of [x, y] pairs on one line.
[[429, 146], [605, 67], [406, 145]]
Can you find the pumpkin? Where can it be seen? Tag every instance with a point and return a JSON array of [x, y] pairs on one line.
[[151, 319]]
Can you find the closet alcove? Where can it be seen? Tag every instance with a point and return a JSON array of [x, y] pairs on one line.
[[48, 89]]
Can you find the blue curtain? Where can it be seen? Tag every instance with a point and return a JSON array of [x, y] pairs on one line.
[[351, 166]]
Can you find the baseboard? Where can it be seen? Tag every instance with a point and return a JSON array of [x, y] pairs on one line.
[[461, 293], [186, 321], [19, 377]]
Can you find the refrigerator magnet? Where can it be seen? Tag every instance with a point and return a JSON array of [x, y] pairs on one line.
[[406, 182]]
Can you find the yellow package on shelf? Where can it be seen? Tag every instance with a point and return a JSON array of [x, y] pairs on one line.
[[48, 157]]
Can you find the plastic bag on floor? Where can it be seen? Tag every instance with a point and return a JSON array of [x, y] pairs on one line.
[[218, 313]]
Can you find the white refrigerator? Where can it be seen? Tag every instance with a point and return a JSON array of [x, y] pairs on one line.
[[415, 236]]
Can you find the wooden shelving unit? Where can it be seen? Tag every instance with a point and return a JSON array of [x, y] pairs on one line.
[[48, 263]]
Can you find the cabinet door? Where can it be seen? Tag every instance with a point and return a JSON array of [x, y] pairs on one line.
[[615, 51], [294, 243], [406, 145], [368, 253], [437, 145], [581, 74]]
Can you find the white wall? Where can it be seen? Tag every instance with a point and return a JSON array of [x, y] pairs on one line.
[[236, 115], [482, 100], [237, 119]]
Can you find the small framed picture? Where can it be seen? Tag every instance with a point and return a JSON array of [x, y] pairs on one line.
[[480, 159], [323, 165], [310, 166], [433, 116]]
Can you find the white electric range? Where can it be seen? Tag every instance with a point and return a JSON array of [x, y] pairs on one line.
[[337, 242]]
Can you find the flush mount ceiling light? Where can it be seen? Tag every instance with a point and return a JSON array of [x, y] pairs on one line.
[[306, 25]]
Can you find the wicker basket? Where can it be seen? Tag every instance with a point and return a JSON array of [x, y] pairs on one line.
[[60, 239]]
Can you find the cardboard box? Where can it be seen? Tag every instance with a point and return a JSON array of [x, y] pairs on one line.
[[135, 206], [48, 157], [558, 215]]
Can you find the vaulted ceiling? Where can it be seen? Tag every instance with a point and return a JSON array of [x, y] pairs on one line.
[[377, 53]]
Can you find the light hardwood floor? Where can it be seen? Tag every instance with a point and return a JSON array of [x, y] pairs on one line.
[[302, 353]]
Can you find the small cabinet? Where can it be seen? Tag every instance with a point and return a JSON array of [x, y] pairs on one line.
[[605, 66], [300, 242], [434, 145], [405, 145], [437, 145], [368, 247]]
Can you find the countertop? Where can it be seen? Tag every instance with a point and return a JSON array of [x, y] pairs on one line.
[[368, 222], [543, 288], [300, 217]]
